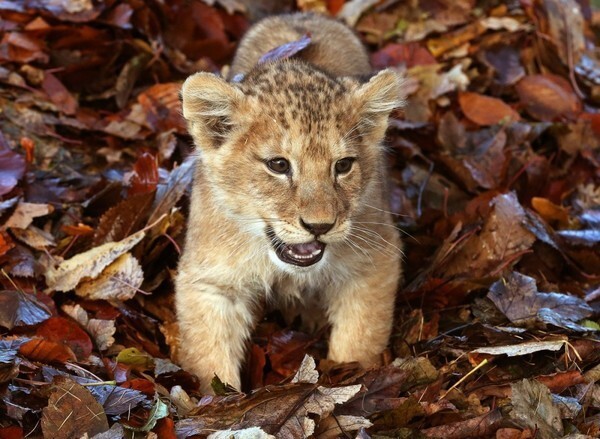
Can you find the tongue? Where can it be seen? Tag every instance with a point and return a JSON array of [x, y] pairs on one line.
[[307, 248]]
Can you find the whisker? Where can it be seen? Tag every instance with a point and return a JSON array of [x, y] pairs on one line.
[[388, 225], [376, 235]]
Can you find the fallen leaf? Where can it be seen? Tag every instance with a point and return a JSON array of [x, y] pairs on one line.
[[12, 167], [523, 348], [506, 62], [9, 348], [286, 50], [167, 195], [102, 331], [456, 38], [6, 243], [121, 280], [533, 408], [19, 309], [395, 54], [61, 330], [353, 9], [12, 432], [550, 211], [481, 426], [88, 264], [59, 94], [133, 357], [307, 372], [503, 237], [231, 6], [115, 400], [46, 351], [548, 97], [486, 110], [72, 412], [34, 237], [145, 175], [24, 214], [565, 28], [123, 219], [517, 297], [159, 410], [246, 433]]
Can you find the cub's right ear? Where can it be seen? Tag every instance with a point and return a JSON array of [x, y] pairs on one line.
[[208, 104]]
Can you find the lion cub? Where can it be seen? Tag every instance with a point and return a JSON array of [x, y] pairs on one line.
[[288, 205]]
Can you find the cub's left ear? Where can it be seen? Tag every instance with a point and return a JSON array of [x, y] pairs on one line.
[[377, 98]]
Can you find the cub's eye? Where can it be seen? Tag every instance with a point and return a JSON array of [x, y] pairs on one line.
[[343, 166], [279, 165]]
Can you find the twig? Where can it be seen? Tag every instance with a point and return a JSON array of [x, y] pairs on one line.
[[471, 372]]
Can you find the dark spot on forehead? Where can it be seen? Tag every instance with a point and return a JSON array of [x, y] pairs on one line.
[[308, 94]]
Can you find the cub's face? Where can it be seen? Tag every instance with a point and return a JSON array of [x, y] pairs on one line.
[[290, 153]]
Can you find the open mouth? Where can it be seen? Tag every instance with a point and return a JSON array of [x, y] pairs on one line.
[[302, 255]]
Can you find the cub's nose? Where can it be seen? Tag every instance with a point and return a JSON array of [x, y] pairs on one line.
[[316, 228]]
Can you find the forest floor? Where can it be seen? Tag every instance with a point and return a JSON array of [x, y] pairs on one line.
[[495, 185]]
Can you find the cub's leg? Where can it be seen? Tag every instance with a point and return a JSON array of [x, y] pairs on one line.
[[213, 329], [361, 314]]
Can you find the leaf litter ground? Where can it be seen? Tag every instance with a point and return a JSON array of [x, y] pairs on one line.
[[495, 183]]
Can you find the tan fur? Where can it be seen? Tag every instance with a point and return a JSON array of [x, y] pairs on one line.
[[313, 115]]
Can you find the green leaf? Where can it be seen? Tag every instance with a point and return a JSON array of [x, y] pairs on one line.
[[137, 359]]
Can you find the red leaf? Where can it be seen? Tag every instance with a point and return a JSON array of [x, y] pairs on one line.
[[286, 350], [12, 432], [77, 230], [548, 97], [334, 6], [256, 366], [165, 429], [394, 54], [58, 94], [145, 174], [162, 107], [6, 243], [65, 331], [28, 145], [594, 120], [485, 110], [47, 351], [141, 385]]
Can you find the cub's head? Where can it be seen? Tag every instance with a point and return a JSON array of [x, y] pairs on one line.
[[291, 153]]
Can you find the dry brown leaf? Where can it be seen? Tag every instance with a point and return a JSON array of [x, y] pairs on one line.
[[565, 28], [353, 9], [486, 110], [46, 351], [548, 97], [503, 237], [533, 408], [523, 348], [120, 280], [88, 265], [307, 372], [72, 412], [451, 40], [101, 330], [550, 211], [480, 426], [24, 214], [34, 237]]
